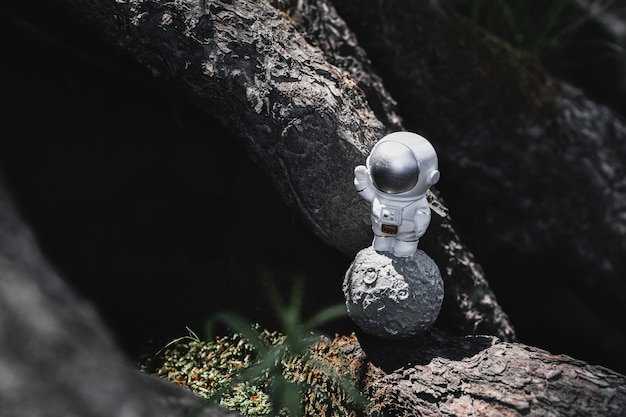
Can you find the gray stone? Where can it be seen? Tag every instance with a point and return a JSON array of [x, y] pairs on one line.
[[392, 297]]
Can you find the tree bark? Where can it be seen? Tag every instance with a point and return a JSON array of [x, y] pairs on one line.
[[245, 63], [439, 374], [300, 109]]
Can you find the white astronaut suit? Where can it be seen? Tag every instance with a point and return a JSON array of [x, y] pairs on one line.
[[399, 170]]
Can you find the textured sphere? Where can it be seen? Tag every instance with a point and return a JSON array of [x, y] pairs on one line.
[[392, 297]]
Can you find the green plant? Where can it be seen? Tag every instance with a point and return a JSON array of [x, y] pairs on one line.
[[261, 373]]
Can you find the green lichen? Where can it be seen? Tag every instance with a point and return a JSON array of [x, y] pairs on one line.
[[230, 371]]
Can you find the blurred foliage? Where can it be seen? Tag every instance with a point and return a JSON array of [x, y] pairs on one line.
[[541, 27]]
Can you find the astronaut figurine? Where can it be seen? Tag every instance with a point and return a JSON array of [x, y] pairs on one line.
[[399, 170]]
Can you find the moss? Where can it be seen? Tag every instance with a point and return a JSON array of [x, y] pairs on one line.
[[321, 378]]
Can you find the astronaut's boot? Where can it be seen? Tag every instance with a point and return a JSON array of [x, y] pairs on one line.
[[403, 249], [383, 243]]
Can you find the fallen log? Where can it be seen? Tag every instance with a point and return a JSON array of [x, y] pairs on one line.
[[301, 112], [440, 374]]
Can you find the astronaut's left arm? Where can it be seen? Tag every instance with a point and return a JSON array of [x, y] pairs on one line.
[[422, 218]]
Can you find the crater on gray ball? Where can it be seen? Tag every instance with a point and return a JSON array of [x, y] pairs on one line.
[[392, 297]]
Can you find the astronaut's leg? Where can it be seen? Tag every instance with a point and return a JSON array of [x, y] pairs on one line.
[[383, 243], [403, 248]]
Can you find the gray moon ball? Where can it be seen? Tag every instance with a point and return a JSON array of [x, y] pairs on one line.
[[392, 297]]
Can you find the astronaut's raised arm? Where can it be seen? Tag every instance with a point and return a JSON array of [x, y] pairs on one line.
[[363, 183]]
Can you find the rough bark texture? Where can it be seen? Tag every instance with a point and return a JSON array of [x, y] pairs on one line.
[[441, 375], [56, 357], [469, 305], [305, 119], [246, 64]]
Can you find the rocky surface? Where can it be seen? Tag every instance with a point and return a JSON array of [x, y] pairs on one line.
[[393, 297]]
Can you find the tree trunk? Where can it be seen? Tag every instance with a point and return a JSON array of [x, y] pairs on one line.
[[305, 120], [244, 63]]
